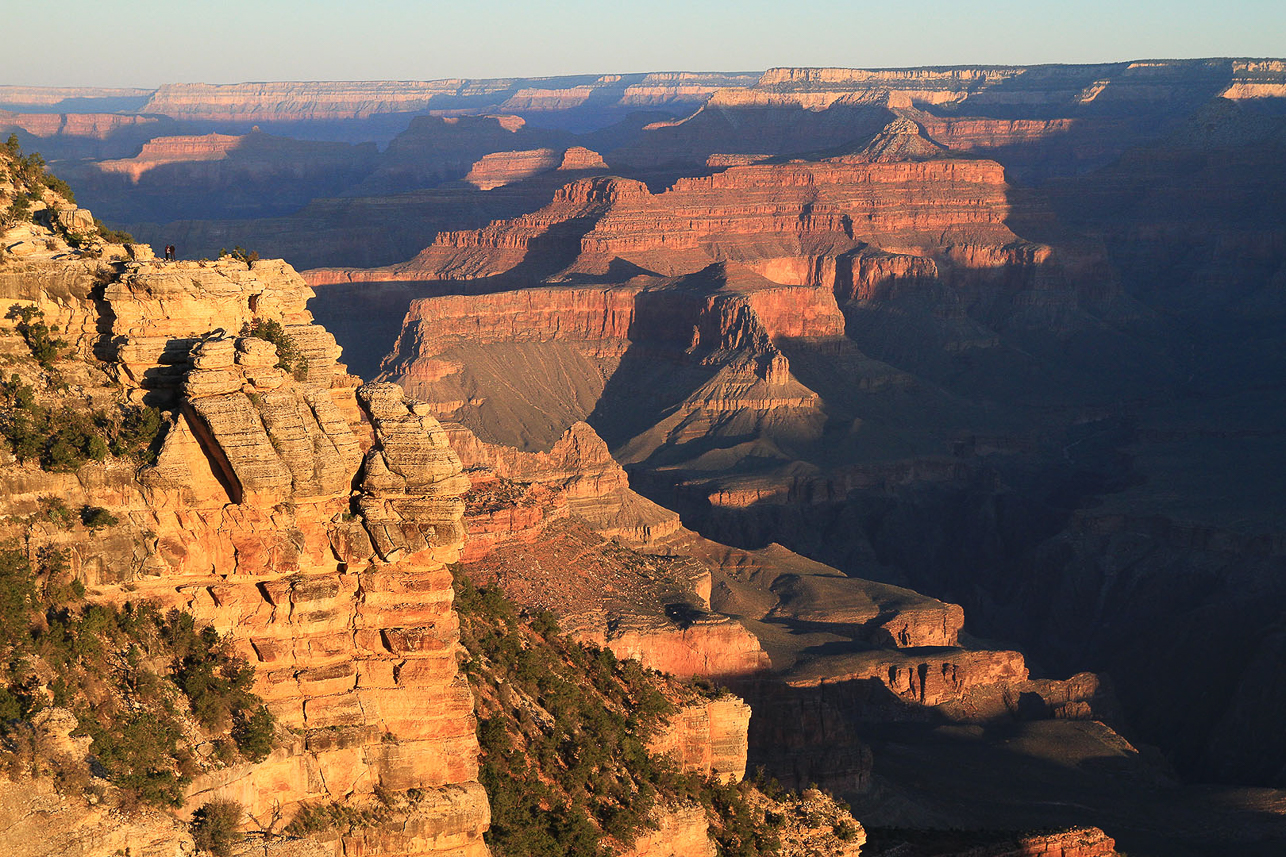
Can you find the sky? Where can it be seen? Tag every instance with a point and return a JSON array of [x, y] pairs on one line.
[[145, 43]]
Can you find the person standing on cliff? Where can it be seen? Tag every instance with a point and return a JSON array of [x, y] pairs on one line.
[[169, 252]]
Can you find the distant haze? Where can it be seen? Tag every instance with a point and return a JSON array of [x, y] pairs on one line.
[[149, 42]]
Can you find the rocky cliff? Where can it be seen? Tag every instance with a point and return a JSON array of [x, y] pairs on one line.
[[84, 135], [708, 737], [1008, 379], [309, 521]]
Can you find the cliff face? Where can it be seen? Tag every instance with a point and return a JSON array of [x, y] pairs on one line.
[[97, 126], [722, 269], [1109, 87], [1040, 122], [256, 156], [311, 521], [161, 150], [84, 135], [708, 738], [579, 469], [262, 102], [45, 96], [724, 323], [308, 521]]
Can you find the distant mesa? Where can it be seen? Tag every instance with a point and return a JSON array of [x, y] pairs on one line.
[[169, 150], [501, 168], [280, 102]]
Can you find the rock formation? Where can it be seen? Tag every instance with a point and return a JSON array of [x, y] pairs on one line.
[[791, 222], [708, 738], [562, 531], [309, 521]]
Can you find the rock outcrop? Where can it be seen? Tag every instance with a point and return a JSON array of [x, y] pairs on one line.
[[497, 169], [576, 477], [312, 524], [1084, 842], [708, 738], [160, 311], [680, 832], [84, 135]]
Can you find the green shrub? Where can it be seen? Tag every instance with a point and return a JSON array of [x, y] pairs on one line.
[[17, 596], [31, 172], [214, 827], [241, 254], [96, 517], [134, 433], [71, 441], [63, 440], [59, 187], [289, 356], [254, 732], [126, 673], [587, 784], [846, 831], [56, 511], [112, 236], [38, 335], [19, 210], [345, 817]]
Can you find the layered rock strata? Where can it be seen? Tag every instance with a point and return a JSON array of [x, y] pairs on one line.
[[708, 738], [782, 220], [578, 468], [158, 312], [245, 157], [310, 522], [286, 102]]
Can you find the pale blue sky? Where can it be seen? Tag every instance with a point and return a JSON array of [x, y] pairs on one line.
[[148, 42]]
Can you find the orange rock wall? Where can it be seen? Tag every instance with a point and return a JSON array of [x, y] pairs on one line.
[[708, 738], [680, 832], [1082, 842], [717, 649], [249, 519], [165, 150], [777, 219]]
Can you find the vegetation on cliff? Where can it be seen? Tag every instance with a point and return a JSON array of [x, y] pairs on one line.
[[564, 729], [29, 177], [289, 357], [60, 437], [147, 687]]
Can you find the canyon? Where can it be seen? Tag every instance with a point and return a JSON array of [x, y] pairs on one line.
[[932, 411], [310, 519]]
